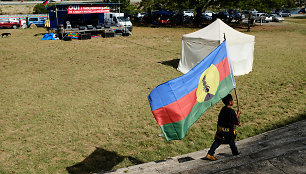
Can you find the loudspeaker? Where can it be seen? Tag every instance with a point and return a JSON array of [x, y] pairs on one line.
[[89, 27], [85, 36], [110, 34], [66, 38], [82, 27]]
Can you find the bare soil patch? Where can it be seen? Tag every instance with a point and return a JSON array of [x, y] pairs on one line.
[[16, 9]]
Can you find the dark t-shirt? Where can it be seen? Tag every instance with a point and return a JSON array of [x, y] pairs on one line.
[[227, 118]]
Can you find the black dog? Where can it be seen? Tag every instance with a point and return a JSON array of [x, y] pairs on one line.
[[5, 34]]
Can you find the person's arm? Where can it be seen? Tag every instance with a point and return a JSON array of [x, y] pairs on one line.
[[234, 117], [238, 113]]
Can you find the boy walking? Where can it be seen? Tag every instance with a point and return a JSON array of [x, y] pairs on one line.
[[226, 133]]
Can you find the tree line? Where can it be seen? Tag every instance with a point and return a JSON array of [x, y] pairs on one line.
[[201, 5]]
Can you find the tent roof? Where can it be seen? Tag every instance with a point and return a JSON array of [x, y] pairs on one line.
[[216, 30]]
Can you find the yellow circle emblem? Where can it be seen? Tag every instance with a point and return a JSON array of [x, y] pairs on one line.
[[208, 84]]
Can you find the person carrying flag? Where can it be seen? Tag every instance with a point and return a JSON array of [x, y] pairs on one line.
[[226, 133], [178, 103]]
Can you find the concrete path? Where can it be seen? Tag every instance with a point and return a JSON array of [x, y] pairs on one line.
[[282, 150]]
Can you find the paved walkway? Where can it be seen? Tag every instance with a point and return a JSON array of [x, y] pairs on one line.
[[282, 150]]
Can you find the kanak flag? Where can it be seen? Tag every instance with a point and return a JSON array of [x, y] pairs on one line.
[[178, 103]]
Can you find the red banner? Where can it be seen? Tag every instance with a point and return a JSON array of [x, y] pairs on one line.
[[87, 9]]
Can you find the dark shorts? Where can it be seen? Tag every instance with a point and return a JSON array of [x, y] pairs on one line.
[[225, 137]]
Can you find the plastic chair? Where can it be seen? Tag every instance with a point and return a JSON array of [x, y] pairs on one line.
[[68, 27]]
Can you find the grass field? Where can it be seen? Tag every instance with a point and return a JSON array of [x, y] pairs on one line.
[[81, 106]]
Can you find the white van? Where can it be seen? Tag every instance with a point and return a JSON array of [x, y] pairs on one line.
[[118, 20], [188, 13]]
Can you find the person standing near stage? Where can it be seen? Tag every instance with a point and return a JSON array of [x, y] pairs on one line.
[[47, 24], [226, 133]]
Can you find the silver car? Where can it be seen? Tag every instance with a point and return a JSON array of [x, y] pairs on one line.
[[285, 14], [277, 18]]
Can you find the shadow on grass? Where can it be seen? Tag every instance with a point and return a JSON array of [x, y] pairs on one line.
[[100, 160], [289, 121], [174, 63], [39, 34], [281, 123]]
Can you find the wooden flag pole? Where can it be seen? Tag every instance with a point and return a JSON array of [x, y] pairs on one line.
[[234, 88], [236, 98]]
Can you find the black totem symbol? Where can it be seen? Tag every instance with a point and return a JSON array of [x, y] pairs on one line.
[[206, 87]]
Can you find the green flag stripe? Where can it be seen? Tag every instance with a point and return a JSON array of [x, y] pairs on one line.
[[177, 130]]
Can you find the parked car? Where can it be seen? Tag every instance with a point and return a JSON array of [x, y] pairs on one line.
[[238, 16], [302, 10], [209, 13], [285, 13], [269, 18], [141, 15], [21, 21], [188, 13], [277, 18], [259, 17], [38, 21], [223, 16], [5, 23], [118, 20], [13, 19], [253, 11], [206, 17], [278, 11]]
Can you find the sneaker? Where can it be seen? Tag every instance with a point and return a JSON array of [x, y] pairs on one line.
[[210, 157], [235, 154]]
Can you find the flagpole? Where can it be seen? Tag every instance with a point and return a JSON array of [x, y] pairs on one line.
[[234, 88], [236, 98]]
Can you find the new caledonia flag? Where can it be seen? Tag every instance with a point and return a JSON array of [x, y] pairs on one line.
[[178, 103]]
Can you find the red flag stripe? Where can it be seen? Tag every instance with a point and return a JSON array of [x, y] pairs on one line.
[[177, 110], [223, 68]]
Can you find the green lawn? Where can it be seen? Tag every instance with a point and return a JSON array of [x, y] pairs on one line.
[[81, 106]]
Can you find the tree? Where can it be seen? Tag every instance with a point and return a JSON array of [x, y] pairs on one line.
[[202, 5], [125, 6], [40, 8], [267, 5]]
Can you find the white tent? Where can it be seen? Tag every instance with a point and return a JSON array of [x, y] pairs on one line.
[[197, 45]]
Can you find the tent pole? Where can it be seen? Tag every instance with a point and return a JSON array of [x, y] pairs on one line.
[[56, 16]]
